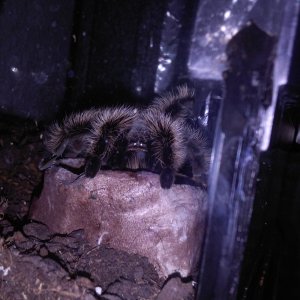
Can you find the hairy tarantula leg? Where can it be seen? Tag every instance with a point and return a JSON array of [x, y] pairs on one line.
[[93, 165], [52, 160], [78, 177], [61, 149], [167, 178], [201, 180], [47, 163]]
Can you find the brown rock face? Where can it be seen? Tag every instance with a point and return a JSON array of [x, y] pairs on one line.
[[128, 211]]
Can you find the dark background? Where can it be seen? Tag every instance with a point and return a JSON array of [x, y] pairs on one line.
[[59, 56]]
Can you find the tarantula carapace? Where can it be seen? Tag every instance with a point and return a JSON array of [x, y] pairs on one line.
[[161, 138]]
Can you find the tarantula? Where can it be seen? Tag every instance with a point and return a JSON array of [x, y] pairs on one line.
[[159, 138]]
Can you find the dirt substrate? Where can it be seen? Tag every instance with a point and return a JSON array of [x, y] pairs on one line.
[[38, 264]]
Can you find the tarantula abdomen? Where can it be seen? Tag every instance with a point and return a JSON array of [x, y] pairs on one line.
[[177, 104]]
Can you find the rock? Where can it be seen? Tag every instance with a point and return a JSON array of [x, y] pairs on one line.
[[128, 211], [176, 289], [36, 230], [129, 290]]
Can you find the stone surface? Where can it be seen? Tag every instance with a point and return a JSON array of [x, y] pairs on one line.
[[128, 211], [175, 289]]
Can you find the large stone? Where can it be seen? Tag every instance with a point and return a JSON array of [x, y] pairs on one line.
[[128, 211]]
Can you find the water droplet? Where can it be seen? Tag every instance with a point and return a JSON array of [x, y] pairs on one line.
[[227, 14], [14, 69]]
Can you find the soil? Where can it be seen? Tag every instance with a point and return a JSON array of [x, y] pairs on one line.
[[38, 264]]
